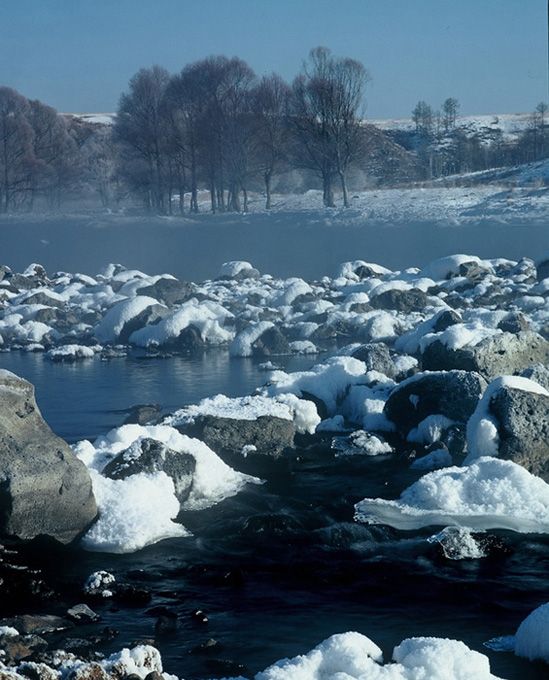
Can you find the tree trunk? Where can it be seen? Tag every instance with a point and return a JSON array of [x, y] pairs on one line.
[[245, 194], [344, 189], [267, 178], [328, 192]]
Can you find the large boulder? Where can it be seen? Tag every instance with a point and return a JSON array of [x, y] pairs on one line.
[[405, 301], [452, 394], [500, 354], [169, 291], [377, 357], [246, 445], [523, 428], [44, 488]]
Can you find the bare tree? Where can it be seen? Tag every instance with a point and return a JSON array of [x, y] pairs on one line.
[[270, 106], [450, 109], [142, 131], [16, 153], [55, 154], [326, 116], [422, 115]]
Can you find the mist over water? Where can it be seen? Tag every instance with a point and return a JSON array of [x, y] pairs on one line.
[[305, 244]]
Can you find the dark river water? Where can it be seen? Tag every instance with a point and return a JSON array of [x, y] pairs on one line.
[[281, 566]]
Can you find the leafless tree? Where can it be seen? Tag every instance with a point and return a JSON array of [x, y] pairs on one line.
[[16, 153], [327, 99], [270, 107], [450, 109], [142, 131], [55, 155]]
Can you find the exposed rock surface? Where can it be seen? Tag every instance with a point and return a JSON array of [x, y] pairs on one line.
[[44, 488], [377, 357], [242, 442], [523, 428], [153, 456], [169, 291], [501, 354], [453, 394]]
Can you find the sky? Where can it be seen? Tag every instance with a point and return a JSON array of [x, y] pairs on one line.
[[79, 55]]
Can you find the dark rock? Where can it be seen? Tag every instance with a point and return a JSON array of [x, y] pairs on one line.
[[169, 291], [473, 271], [503, 354], [271, 342], [141, 414], [188, 341], [514, 322], [147, 317], [542, 269], [377, 357], [27, 624], [405, 301], [167, 623], [19, 647], [453, 394], [523, 427], [445, 319], [150, 455], [46, 315], [272, 437], [45, 489], [42, 298], [198, 616], [211, 646]]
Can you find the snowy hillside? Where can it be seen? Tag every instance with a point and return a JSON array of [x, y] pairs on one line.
[[510, 124]]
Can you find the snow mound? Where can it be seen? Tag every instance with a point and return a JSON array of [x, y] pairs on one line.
[[488, 494], [353, 656], [140, 510], [532, 637]]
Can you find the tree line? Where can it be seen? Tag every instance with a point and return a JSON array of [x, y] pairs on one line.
[[216, 127], [443, 146]]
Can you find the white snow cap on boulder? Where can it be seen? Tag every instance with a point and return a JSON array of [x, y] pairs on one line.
[[233, 268], [532, 637], [353, 656]]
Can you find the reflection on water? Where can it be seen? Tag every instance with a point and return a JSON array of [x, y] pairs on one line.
[[84, 399]]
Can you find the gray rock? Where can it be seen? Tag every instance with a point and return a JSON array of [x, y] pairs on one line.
[[141, 414], [405, 301], [445, 319], [150, 455], [453, 394], [377, 357], [231, 439], [542, 269], [538, 373], [473, 271], [514, 322], [44, 488], [169, 291], [147, 317], [271, 342], [523, 426], [188, 341], [503, 354]]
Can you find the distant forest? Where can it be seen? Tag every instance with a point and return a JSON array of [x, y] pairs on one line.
[[217, 128]]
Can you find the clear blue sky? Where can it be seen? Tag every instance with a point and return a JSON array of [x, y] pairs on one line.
[[78, 55]]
